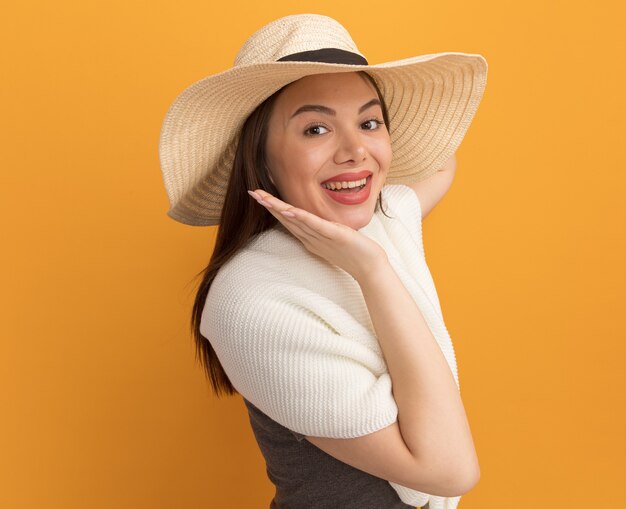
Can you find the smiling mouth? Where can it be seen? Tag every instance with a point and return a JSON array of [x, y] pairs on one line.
[[351, 196], [348, 190]]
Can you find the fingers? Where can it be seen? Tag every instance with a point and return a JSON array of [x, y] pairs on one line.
[[306, 221], [297, 217], [268, 198], [276, 208]]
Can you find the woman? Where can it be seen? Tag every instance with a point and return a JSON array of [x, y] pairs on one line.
[[317, 306]]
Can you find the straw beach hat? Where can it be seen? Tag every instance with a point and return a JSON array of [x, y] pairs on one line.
[[431, 100]]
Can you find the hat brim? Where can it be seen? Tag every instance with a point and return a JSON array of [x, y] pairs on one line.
[[431, 101]]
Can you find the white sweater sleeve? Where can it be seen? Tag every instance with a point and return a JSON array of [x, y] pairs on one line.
[[285, 349]]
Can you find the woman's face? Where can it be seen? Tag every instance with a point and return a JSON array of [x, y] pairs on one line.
[[321, 127]]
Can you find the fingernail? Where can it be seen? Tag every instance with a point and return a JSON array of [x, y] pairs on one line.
[[287, 213], [254, 195], [266, 204]]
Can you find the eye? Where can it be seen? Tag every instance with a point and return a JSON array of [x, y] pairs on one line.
[[315, 130], [372, 124]]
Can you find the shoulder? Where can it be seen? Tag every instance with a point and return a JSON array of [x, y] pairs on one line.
[[273, 272], [402, 218], [250, 272], [395, 193], [401, 199], [274, 257]]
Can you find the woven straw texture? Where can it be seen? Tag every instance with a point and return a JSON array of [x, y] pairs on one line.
[[431, 100]]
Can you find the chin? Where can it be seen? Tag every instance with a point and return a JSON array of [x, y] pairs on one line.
[[358, 220], [354, 216]]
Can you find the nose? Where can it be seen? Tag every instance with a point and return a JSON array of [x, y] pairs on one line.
[[350, 148]]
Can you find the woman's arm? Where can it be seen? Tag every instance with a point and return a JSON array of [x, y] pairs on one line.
[[430, 448], [430, 191]]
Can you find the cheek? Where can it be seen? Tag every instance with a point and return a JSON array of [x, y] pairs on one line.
[[304, 161], [297, 168], [381, 150]]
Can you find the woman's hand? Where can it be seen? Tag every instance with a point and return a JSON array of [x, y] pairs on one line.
[[335, 242]]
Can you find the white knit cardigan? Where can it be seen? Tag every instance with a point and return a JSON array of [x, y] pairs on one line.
[[295, 338]]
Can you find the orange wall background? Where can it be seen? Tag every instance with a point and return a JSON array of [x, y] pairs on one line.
[[102, 402]]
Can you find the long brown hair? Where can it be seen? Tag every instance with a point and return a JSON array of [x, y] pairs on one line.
[[241, 219]]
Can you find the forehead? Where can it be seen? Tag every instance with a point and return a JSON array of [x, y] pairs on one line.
[[333, 88]]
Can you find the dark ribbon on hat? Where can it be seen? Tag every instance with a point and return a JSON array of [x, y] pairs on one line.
[[326, 55]]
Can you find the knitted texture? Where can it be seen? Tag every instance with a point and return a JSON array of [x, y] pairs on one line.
[[295, 338]]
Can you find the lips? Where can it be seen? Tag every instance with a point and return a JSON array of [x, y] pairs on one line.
[[348, 177], [350, 198]]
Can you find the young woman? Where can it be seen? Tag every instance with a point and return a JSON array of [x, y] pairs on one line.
[[317, 305]]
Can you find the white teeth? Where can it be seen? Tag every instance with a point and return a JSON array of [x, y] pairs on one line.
[[345, 185]]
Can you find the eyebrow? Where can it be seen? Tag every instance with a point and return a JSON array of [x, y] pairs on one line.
[[329, 111]]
